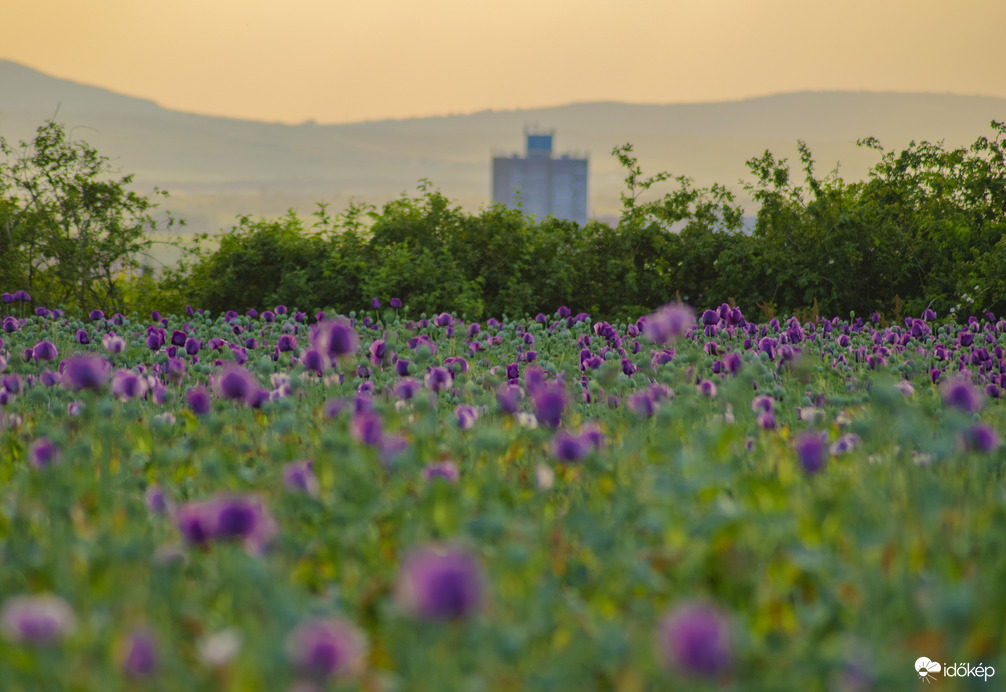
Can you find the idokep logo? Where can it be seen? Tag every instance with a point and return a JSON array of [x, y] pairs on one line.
[[928, 669]]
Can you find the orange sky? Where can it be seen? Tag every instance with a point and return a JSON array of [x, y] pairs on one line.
[[341, 61]]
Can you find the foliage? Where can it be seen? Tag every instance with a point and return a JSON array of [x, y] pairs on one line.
[[68, 231], [925, 228], [676, 487]]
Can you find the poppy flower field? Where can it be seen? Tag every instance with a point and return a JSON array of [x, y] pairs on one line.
[[388, 501]]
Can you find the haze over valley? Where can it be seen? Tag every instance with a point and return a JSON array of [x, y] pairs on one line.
[[216, 168]]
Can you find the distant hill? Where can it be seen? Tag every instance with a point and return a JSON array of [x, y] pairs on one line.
[[218, 167]]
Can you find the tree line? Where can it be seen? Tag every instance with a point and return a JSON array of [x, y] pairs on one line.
[[925, 228]]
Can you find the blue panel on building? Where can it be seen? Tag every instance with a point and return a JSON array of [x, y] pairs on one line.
[[539, 143]]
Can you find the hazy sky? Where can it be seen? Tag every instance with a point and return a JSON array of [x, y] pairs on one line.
[[341, 61]]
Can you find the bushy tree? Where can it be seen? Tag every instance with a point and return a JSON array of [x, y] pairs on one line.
[[71, 228]]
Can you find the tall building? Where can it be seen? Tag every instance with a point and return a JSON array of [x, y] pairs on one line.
[[543, 184]]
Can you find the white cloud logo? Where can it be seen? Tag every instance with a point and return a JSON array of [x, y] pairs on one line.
[[926, 668]]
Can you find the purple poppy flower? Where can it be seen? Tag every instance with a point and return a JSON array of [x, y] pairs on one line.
[[334, 338], [706, 388], [766, 420], [811, 451], [446, 470], [113, 344], [438, 379], [11, 325], [43, 453], [195, 522], [45, 350], [13, 384], [240, 517], [83, 338], [281, 310], [198, 400], [396, 302], [155, 339], [127, 385], [466, 417], [332, 408], [534, 378], [7, 297], [845, 444], [981, 438], [696, 639], [566, 447], [642, 404], [298, 476], [440, 583], [287, 343], [237, 384], [227, 517], [156, 500], [327, 648], [391, 447], [378, 351], [367, 428], [591, 434], [192, 346], [456, 364], [549, 404], [141, 658], [85, 372], [958, 393], [313, 360], [443, 320], [48, 378], [40, 620], [732, 362], [508, 397], [669, 323], [406, 389]]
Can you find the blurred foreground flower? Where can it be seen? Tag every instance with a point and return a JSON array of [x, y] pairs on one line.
[[440, 583], [447, 470], [669, 323], [811, 451], [695, 638], [227, 517], [85, 372], [959, 394], [140, 658], [334, 339], [299, 477], [327, 648], [41, 619]]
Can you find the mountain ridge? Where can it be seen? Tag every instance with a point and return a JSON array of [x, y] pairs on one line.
[[218, 167]]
